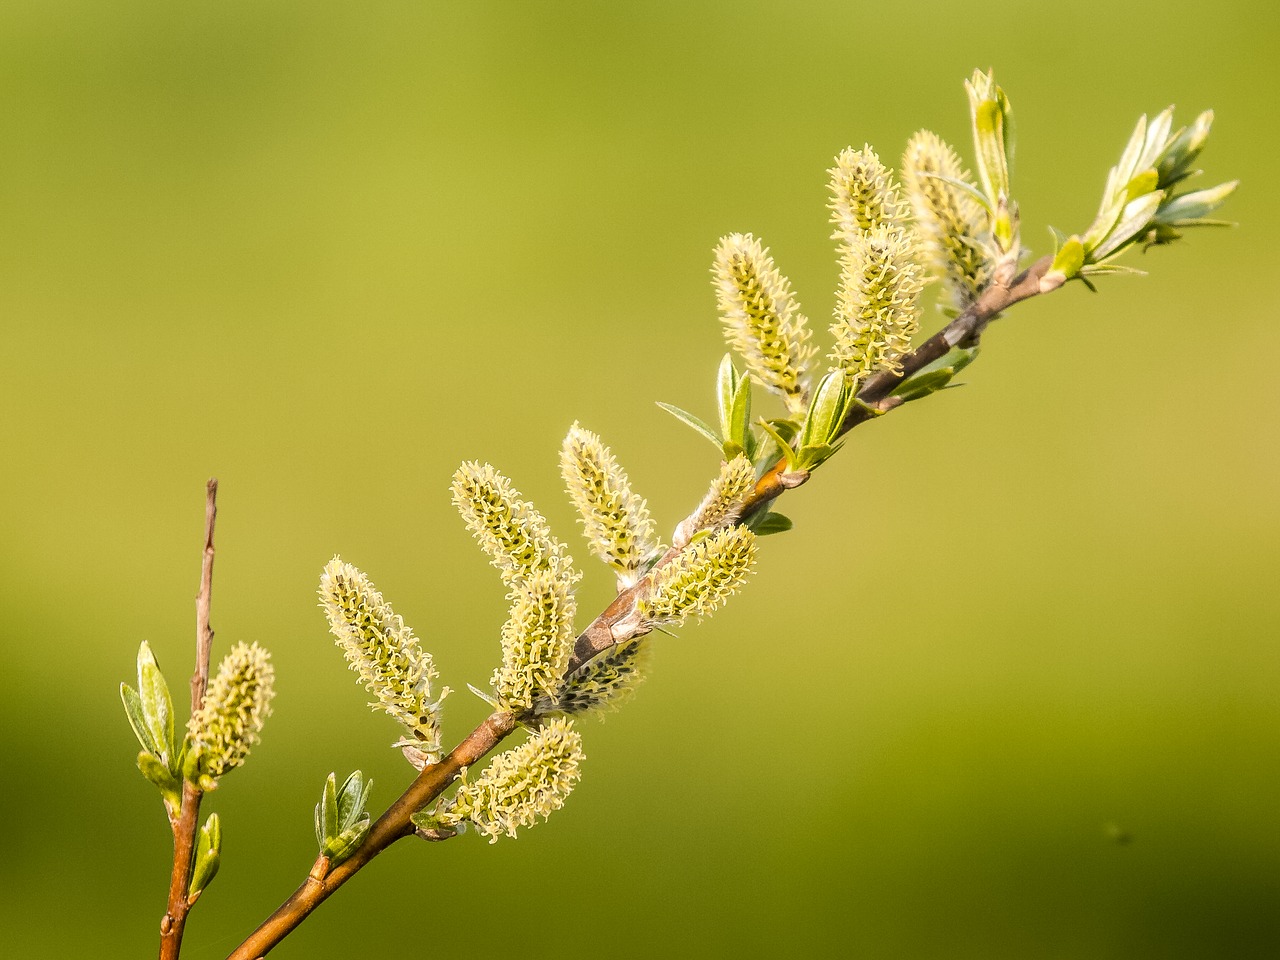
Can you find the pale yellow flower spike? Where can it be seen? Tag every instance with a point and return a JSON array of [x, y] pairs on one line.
[[699, 580], [513, 534], [878, 303], [236, 704], [949, 219], [863, 195], [762, 319], [722, 503], [536, 640], [383, 653], [615, 521], [522, 784]]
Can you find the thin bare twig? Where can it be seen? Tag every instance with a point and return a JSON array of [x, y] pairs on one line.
[[610, 626], [186, 824]]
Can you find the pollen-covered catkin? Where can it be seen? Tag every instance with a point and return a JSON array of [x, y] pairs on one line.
[[536, 640], [698, 580], [509, 529], [762, 319], [522, 784], [950, 221], [236, 704], [615, 521], [383, 652]]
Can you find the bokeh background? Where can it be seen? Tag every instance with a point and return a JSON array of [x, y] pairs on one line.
[[325, 251]]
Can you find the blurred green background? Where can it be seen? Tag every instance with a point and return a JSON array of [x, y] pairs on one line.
[[325, 251]]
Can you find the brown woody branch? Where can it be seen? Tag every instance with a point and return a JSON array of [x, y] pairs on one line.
[[616, 623], [186, 821]]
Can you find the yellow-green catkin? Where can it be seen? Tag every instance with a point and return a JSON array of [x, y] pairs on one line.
[[877, 302], [522, 784], [863, 195], [537, 640], [513, 534], [723, 501], [236, 704], [698, 580], [949, 219], [762, 319], [604, 682], [615, 521], [383, 653]]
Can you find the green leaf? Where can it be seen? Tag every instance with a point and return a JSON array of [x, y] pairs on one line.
[[766, 523], [1069, 258], [352, 797], [1189, 209], [726, 383], [158, 772], [826, 410], [329, 815], [689, 420], [1142, 184], [208, 857], [737, 426], [936, 376], [137, 719], [340, 848], [157, 705], [813, 455], [1133, 221], [783, 447]]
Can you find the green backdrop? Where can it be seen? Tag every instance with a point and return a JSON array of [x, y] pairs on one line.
[[325, 251]]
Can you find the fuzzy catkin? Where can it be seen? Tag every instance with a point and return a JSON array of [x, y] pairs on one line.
[[616, 522], [383, 652], [701, 578], [878, 303], [509, 529], [236, 704], [522, 784], [951, 222], [537, 640], [762, 319]]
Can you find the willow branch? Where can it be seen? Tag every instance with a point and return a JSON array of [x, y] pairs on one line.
[[186, 823], [616, 623], [390, 827]]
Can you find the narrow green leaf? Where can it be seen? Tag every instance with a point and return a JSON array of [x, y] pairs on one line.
[[340, 847], [352, 797], [157, 705], [208, 856], [137, 719], [1190, 208], [764, 524], [1133, 221], [329, 798], [738, 423], [783, 447], [1142, 184], [689, 420], [726, 382], [825, 410], [1128, 164]]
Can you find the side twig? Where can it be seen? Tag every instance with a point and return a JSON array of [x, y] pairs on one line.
[[613, 625], [186, 823]]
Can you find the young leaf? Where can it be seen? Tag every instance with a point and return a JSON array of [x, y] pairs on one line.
[[208, 857], [688, 419], [766, 523], [157, 705]]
